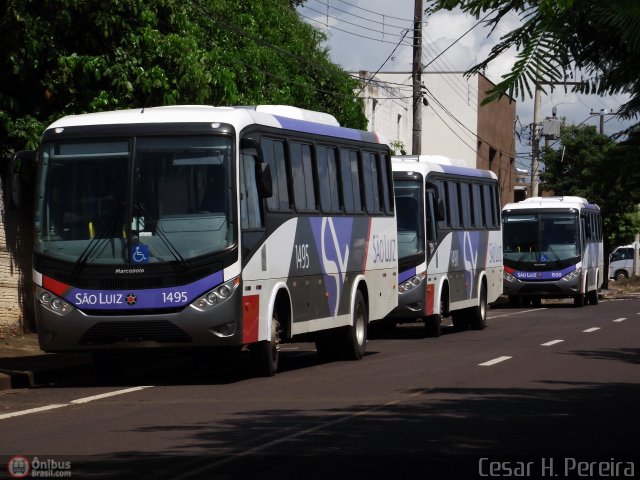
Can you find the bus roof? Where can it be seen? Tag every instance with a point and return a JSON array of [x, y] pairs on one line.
[[541, 203], [425, 164], [276, 116]]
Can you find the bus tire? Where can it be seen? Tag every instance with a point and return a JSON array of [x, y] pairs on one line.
[[354, 337], [433, 325], [478, 317], [592, 297], [578, 300], [266, 354]]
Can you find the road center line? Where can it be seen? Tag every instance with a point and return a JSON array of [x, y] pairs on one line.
[[108, 394], [32, 410], [592, 329], [4, 416], [494, 361], [552, 342], [618, 320], [519, 312]]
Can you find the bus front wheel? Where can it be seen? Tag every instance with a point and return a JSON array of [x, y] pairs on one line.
[[266, 353]]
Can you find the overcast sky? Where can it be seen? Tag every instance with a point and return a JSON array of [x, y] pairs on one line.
[[362, 34]]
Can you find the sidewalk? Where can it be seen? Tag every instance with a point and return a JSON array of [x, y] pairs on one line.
[[24, 365]]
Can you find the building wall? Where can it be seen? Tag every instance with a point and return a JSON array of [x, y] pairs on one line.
[[496, 147], [450, 118], [16, 298]]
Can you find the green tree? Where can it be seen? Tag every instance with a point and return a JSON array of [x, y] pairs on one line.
[[61, 57], [601, 38], [591, 165]]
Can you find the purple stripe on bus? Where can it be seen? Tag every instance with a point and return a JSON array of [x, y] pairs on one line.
[[469, 172], [406, 275], [135, 299], [328, 130], [542, 276]]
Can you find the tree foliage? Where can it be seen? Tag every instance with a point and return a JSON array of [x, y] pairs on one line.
[[63, 57], [601, 38], [591, 165]]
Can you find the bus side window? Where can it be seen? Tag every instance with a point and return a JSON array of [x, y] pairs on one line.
[[250, 217], [273, 152]]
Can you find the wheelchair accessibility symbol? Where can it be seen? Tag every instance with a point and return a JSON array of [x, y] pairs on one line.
[[140, 254]]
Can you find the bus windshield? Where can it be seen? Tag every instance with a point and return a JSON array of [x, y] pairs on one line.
[[108, 202], [540, 237], [410, 223]]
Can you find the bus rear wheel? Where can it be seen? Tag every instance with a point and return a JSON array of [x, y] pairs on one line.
[[354, 337], [478, 317]]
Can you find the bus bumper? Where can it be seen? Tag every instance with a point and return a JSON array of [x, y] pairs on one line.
[[77, 330], [542, 289]]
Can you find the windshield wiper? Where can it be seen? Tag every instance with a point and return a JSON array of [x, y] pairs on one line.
[[174, 251], [105, 225]]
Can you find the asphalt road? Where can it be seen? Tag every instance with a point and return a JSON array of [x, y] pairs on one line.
[[539, 393]]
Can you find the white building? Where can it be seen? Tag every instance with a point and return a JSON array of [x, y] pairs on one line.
[[453, 122]]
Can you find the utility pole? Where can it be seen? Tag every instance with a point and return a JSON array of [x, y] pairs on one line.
[[536, 134], [602, 114], [535, 141], [416, 147]]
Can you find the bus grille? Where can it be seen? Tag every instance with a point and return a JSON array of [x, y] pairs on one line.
[[161, 331]]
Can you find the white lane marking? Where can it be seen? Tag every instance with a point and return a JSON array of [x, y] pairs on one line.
[[552, 342], [618, 320], [519, 312], [72, 402], [108, 394], [32, 410], [592, 329], [494, 361]]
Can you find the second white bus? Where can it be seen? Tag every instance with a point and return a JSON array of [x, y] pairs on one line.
[[449, 242], [552, 249]]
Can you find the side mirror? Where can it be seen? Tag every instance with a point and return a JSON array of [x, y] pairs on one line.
[[21, 175]]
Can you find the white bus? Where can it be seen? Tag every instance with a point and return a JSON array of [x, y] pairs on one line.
[[449, 242], [199, 227], [552, 249]]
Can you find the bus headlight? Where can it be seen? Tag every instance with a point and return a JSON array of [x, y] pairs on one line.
[[412, 283], [53, 303], [216, 296], [508, 277], [572, 275]]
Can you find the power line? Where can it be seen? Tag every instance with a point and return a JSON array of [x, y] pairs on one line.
[[352, 23], [384, 24]]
